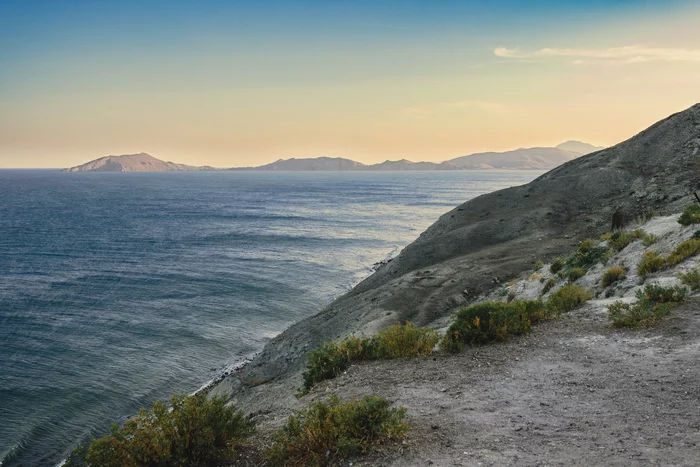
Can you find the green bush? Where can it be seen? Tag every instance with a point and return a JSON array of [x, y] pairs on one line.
[[696, 234], [691, 279], [650, 263], [637, 233], [194, 431], [620, 240], [575, 274], [548, 286], [683, 251], [557, 265], [328, 432], [659, 294], [567, 298], [586, 256], [653, 303], [397, 341], [612, 275], [691, 215], [606, 236], [539, 265], [492, 321], [649, 239]]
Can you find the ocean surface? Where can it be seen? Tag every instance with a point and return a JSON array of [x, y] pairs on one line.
[[120, 289]]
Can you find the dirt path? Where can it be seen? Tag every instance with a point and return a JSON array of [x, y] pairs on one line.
[[574, 392]]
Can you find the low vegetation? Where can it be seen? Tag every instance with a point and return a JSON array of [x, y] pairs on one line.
[[557, 265], [575, 274], [612, 275], [193, 431], [649, 239], [398, 341], [549, 285], [619, 240], [539, 265], [567, 298], [652, 262], [588, 254], [691, 279], [690, 215], [328, 432], [653, 303]]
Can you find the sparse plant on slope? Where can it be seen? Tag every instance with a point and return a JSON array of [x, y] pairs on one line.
[[650, 263], [691, 279], [557, 265], [575, 274], [567, 298], [548, 285], [492, 321], [586, 256], [690, 215], [539, 265], [649, 239], [397, 341], [620, 240], [653, 303], [612, 275], [683, 251], [194, 431], [327, 432], [637, 233]]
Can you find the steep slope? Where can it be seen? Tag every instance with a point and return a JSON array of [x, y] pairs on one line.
[[520, 159], [133, 163], [486, 241]]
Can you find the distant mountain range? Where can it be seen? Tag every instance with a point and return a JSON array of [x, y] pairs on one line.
[[519, 159]]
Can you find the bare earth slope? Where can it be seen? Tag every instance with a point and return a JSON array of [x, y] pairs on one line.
[[133, 163], [470, 251]]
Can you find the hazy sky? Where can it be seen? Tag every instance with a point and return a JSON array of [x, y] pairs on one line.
[[229, 83]]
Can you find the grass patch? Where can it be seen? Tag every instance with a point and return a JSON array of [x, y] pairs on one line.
[[329, 431], [620, 240], [649, 239], [653, 303], [612, 275], [637, 233], [492, 321], [548, 285], [557, 265], [650, 263], [397, 341], [539, 265], [193, 431], [683, 251], [567, 298], [690, 215], [587, 255], [691, 279], [575, 274]]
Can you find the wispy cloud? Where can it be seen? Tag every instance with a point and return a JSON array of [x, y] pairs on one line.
[[497, 108], [626, 54]]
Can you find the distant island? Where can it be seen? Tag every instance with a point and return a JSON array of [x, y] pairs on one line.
[[520, 159]]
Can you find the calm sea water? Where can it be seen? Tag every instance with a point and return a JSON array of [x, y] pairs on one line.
[[119, 289]]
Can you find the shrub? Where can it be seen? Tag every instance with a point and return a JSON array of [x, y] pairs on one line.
[[683, 251], [691, 279], [194, 431], [612, 275], [405, 341], [649, 239], [659, 294], [586, 256], [397, 341], [548, 286], [637, 233], [575, 274], [690, 215], [696, 234], [539, 265], [653, 303], [557, 265], [650, 263], [327, 432], [606, 236], [620, 240], [492, 321], [567, 298]]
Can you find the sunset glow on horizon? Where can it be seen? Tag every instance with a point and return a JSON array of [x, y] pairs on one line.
[[246, 83]]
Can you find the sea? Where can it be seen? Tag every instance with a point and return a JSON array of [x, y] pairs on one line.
[[119, 289]]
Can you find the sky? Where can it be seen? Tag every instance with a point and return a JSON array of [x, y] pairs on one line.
[[241, 83]]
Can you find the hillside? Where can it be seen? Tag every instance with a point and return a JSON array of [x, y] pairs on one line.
[[133, 163], [469, 253], [520, 159]]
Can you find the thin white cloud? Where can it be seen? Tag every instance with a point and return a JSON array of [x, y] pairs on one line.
[[627, 54]]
